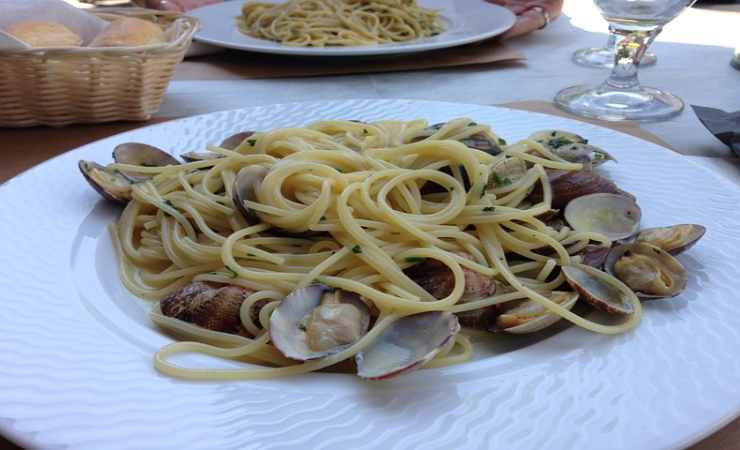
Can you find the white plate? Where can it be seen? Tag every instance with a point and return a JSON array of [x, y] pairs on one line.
[[465, 22], [76, 348]]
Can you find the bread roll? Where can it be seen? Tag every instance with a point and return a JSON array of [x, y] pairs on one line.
[[129, 32], [37, 33]]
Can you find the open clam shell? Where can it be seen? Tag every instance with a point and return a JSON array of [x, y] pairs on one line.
[[111, 185], [407, 344], [234, 141], [649, 271], [138, 154], [602, 290], [554, 139], [529, 316], [584, 154], [614, 216], [200, 156], [506, 172], [318, 321], [245, 184], [674, 239]]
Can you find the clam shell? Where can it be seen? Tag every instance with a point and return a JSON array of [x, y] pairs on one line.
[[529, 316], [674, 239], [234, 141], [245, 183], [614, 216], [602, 290], [669, 266], [138, 154], [584, 154], [553, 139], [111, 185], [407, 344], [286, 332]]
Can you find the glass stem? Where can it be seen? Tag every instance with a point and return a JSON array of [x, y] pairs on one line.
[[630, 44]]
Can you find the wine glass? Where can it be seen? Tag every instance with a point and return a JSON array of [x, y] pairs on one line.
[[603, 57], [634, 25]]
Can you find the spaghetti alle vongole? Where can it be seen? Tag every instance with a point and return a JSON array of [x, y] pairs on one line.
[[301, 248], [320, 23]]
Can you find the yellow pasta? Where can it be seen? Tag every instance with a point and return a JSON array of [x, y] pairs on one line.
[[320, 23], [356, 202]]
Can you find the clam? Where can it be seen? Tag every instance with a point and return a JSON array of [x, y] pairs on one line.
[[528, 316], [112, 185], [615, 216], [234, 141], [506, 172], [318, 321], [594, 255], [138, 154], [569, 185], [674, 239], [584, 154], [554, 139], [649, 271], [478, 141], [200, 156], [246, 182], [407, 344], [602, 290]]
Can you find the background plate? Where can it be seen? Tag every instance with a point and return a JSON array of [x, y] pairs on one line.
[[76, 349], [465, 22]]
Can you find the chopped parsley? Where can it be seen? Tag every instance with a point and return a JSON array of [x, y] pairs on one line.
[[231, 271], [323, 217], [250, 254], [251, 142], [146, 164], [482, 192], [364, 131], [169, 203], [415, 259], [559, 142], [357, 249], [501, 141], [499, 181], [489, 209]]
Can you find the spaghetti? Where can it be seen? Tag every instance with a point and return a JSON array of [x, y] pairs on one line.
[[320, 23], [351, 205]]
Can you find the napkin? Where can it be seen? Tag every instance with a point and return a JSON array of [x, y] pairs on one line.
[[723, 125], [86, 25]]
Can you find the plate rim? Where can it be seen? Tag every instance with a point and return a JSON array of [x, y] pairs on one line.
[[27, 440], [357, 51]]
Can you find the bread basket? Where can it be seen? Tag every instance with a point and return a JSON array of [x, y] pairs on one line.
[[62, 86]]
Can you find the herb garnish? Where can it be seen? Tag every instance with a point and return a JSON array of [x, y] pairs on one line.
[[169, 203], [251, 142], [357, 249], [501, 141], [489, 209], [415, 259], [498, 181], [559, 142], [233, 273]]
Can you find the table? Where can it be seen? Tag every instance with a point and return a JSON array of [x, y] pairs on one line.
[[693, 62]]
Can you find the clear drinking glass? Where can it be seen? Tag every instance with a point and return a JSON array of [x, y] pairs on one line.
[[634, 24], [603, 58]]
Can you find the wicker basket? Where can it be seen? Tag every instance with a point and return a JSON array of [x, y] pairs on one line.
[[86, 85]]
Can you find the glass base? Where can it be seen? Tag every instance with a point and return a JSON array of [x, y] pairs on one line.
[[605, 103], [603, 58]]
